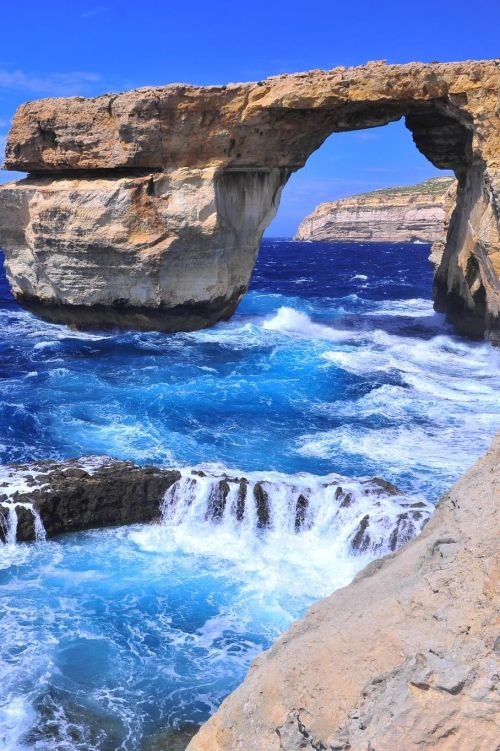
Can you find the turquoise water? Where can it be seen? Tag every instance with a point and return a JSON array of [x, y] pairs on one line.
[[334, 363]]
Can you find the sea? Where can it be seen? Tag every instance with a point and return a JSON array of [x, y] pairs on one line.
[[334, 366]]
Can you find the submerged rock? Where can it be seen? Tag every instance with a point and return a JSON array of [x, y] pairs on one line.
[[405, 657], [145, 209]]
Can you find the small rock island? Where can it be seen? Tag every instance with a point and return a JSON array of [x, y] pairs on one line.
[[411, 213]]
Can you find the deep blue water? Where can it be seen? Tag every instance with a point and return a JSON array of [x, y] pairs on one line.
[[334, 362]]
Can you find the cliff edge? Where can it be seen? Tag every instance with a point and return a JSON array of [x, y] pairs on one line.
[[406, 657], [411, 213]]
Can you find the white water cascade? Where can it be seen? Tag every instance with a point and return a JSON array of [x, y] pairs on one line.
[[360, 516], [9, 521]]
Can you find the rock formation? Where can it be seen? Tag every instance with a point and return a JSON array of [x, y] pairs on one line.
[[406, 657], [146, 208], [73, 495], [413, 213]]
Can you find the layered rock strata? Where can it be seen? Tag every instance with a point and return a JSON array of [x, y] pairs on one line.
[[406, 657], [414, 213], [146, 208]]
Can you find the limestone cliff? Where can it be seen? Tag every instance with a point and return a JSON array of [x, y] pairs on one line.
[[148, 250], [406, 657], [146, 208], [405, 214]]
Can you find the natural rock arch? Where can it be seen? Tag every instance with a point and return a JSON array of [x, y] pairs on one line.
[[146, 208]]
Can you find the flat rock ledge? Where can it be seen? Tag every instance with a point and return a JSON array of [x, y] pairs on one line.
[[406, 657], [47, 498], [75, 495]]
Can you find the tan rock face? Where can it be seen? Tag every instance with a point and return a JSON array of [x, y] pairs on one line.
[[237, 144], [406, 657], [166, 250], [414, 213]]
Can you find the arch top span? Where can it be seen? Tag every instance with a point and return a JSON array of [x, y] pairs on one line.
[[165, 192]]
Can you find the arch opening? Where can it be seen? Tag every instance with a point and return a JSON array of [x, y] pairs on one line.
[[180, 182]]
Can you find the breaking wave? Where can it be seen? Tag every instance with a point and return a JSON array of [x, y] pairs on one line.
[[335, 367]]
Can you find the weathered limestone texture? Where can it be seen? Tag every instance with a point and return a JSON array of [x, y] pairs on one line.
[[146, 208], [413, 213], [438, 246], [406, 657]]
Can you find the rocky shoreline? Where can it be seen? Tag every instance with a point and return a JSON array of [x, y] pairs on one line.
[[418, 625], [407, 656], [413, 213], [75, 495]]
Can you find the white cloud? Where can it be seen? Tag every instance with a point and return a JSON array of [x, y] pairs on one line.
[[93, 12], [366, 135], [55, 84]]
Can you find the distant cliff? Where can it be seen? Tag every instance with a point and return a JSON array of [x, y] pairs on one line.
[[406, 214]]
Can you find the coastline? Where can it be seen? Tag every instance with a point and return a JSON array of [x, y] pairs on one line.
[[424, 645]]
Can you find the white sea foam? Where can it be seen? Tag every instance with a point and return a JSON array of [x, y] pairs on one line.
[[24, 324], [433, 427], [293, 322], [413, 308], [16, 718], [275, 556]]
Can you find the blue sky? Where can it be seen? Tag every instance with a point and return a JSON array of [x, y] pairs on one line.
[[83, 47]]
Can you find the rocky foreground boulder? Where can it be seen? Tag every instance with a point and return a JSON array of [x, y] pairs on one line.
[[412, 213], [145, 209], [406, 657]]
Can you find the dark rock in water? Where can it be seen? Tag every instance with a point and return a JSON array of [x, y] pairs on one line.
[[407, 526], [345, 498], [217, 502], [262, 505], [382, 487], [68, 498], [240, 503], [173, 739], [48, 498], [90, 724], [361, 540], [301, 512]]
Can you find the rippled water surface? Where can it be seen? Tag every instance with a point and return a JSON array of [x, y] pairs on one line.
[[334, 363]]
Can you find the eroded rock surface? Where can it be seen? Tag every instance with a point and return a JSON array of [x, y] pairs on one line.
[[75, 495], [145, 251], [413, 213], [146, 208], [406, 657], [371, 514]]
